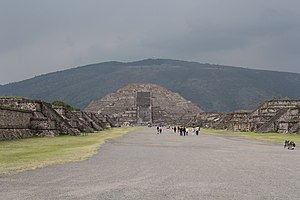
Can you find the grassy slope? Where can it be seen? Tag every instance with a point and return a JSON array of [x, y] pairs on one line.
[[32, 153], [269, 137]]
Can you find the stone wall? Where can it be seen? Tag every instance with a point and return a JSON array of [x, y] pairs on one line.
[[271, 116], [62, 124], [20, 103], [20, 117], [15, 118], [289, 121], [74, 121], [14, 123], [9, 134], [105, 120], [238, 122], [209, 120]]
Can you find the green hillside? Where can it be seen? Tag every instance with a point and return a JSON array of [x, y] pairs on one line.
[[211, 87]]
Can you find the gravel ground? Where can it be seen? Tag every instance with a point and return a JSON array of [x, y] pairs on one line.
[[143, 165]]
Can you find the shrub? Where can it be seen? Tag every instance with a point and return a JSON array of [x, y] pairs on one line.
[[64, 104]]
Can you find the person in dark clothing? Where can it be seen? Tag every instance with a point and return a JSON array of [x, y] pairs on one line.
[[180, 131], [174, 129], [157, 128], [184, 131], [197, 130]]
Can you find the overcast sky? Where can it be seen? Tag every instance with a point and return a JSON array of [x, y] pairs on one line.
[[41, 36]]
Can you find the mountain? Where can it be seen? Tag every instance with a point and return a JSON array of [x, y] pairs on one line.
[[211, 87]]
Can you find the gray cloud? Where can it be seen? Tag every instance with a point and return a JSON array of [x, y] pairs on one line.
[[43, 36]]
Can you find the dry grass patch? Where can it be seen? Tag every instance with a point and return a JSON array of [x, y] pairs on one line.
[[269, 137], [32, 153]]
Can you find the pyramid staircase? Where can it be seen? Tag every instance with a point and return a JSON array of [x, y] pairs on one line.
[[269, 126]]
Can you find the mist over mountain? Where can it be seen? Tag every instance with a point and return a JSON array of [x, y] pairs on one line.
[[211, 87]]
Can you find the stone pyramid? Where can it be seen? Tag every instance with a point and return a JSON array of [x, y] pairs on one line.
[[145, 104]]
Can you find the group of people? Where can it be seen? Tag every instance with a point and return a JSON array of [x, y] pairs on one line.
[[184, 131], [159, 129], [181, 130], [289, 144]]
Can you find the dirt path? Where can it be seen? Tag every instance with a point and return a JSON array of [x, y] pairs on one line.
[[143, 165]]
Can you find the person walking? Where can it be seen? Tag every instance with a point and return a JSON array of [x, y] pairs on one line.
[[157, 129], [160, 129], [197, 130]]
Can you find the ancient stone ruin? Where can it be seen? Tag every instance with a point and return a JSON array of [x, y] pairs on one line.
[[21, 117], [145, 104], [140, 104], [276, 115]]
